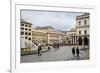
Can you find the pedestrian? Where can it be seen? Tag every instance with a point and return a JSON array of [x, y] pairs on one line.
[[77, 51], [39, 50], [55, 46], [58, 46], [73, 51], [49, 48]]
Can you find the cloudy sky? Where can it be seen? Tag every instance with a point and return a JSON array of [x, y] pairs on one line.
[[58, 20]]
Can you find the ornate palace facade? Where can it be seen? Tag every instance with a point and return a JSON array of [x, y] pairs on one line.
[[80, 35]]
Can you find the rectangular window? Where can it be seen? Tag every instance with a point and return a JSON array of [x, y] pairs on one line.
[[85, 32], [29, 38], [25, 37], [79, 32], [79, 22], [29, 29], [29, 25], [22, 33], [22, 24], [29, 33], [22, 28], [25, 28], [26, 25], [85, 22], [25, 33]]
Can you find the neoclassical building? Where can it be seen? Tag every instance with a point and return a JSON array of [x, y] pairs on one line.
[[54, 37], [39, 37], [83, 29], [47, 35], [80, 35], [72, 36]]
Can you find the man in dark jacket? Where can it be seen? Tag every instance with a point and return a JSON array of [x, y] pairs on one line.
[[77, 51], [39, 49], [73, 51]]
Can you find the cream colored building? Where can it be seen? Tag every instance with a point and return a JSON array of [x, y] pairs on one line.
[[45, 28], [26, 35], [57, 37], [54, 37], [72, 36], [80, 34], [47, 35], [83, 29], [39, 37], [64, 38]]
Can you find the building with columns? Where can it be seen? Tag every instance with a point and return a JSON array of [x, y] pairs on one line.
[[83, 29], [80, 35], [72, 36]]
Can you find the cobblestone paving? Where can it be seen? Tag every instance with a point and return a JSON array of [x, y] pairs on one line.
[[63, 54]]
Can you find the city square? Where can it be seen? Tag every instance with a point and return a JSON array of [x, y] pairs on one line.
[[66, 39], [63, 54]]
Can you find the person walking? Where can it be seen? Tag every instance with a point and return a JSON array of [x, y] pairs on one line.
[[49, 48], [39, 50], [73, 51], [77, 52], [58, 46], [55, 46]]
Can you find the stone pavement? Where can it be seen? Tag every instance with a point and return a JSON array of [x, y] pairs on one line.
[[63, 54]]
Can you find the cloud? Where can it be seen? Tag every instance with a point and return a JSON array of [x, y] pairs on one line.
[[59, 20]]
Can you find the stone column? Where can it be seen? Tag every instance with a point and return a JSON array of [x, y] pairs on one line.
[[75, 39], [48, 39], [72, 40]]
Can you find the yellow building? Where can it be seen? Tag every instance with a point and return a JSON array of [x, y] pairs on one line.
[[39, 37], [47, 35], [45, 28], [53, 37]]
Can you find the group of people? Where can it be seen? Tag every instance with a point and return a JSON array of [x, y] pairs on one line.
[[56, 46], [76, 52], [40, 49]]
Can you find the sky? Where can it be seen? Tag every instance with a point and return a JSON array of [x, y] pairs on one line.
[[63, 21]]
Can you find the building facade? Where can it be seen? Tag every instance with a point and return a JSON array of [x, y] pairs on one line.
[[54, 37], [39, 37], [72, 36], [80, 35], [83, 29], [26, 35], [47, 35]]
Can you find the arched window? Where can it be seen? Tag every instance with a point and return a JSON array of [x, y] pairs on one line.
[[80, 41], [86, 42], [85, 31], [79, 32]]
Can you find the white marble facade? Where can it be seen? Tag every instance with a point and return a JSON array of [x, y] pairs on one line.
[[80, 34]]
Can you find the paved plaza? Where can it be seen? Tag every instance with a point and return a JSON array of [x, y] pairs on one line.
[[63, 54]]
